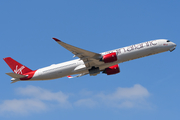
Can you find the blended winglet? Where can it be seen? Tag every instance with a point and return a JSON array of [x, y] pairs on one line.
[[57, 40], [82, 74], [69, 76], [13, 82]]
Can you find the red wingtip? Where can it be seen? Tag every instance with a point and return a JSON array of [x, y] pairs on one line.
[[69, 76], [56, 39], [6, 58]]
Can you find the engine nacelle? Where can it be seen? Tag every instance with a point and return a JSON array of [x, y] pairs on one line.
[[111, 57], [112, 70]]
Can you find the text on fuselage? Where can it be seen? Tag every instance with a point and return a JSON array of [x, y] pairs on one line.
[[134, 47]]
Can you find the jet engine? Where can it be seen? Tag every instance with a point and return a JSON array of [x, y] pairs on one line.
[[112, 70], [111, 57]]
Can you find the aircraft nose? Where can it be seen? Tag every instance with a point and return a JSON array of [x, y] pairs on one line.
[[173, 47]]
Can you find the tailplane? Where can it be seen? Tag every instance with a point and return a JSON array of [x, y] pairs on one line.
[[14, 75], [16, 67]]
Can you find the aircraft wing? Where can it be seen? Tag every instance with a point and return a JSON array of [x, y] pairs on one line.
[[90, 58]]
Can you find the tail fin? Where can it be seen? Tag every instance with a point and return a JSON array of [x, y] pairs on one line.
[[16, 67]]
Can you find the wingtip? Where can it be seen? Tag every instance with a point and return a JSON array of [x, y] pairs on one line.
[[13, 82], [6, 58], [57, 40], [69, 76]]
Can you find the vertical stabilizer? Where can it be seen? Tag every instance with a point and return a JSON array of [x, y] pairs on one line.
[[16, 67]]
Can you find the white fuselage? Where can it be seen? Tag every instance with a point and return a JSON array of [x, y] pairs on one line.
[[77, 66]]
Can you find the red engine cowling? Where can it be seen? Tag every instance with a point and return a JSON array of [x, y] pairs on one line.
[[112, 70], [111, 57]]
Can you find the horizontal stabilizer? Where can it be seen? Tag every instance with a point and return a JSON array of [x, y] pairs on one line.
[[14, 75]]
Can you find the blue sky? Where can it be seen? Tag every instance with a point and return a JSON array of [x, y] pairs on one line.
[[147, 88]]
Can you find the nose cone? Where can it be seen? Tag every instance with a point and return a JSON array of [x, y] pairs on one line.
[[173, 46]]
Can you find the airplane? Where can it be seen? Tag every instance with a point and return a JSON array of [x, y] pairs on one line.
[[88, 62]]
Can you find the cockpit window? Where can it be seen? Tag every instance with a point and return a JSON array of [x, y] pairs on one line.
[[168, 40]]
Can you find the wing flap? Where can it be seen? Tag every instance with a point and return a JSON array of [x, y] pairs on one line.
[[14, 75]]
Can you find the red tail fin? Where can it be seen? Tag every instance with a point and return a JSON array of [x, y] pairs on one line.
[[16, 67]]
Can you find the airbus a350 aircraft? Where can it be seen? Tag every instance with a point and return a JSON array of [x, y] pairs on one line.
[[89, 62]]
